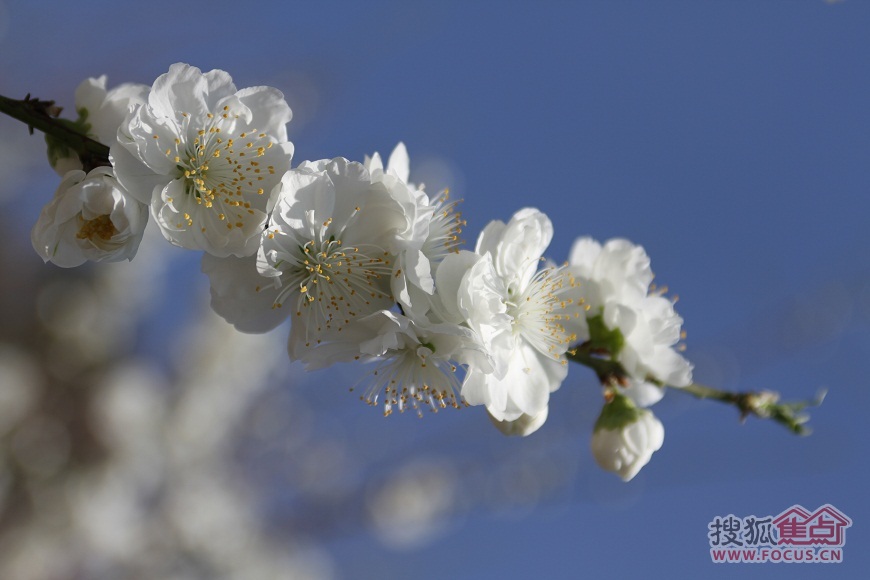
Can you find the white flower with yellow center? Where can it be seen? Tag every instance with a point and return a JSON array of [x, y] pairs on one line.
[[419, 369], [517, 311], [322, 260], [205, 156], [418, 361], [90, 218]]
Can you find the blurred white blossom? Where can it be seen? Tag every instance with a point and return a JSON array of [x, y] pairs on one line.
[[414, 504], [20, 385]]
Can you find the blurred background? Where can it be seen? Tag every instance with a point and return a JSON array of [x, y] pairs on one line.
[[143, 438]]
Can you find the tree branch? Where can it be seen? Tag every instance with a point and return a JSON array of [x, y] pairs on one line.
[[42, 115], [762, 404]]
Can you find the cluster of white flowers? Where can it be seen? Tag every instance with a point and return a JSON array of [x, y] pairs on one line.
[[365, 263], [629, 321]]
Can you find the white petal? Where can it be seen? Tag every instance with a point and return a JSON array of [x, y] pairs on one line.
[[490, 238], [474, 388], [523, 242], [135, 176], [418, 270], [235, 295], [448, 279], [531, 378], [271, 111], [219, 85], [90, 94], [399, 163], [304, 201], [347, 177], [642, 393], [182, 89], [137, 135], [584, 253], [524, 426], [626, 267], [374, 163], [111, 112], [671, 368]]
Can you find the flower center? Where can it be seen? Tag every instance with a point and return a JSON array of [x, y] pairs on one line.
[[100, 227], [444, 228], [221, 170], [413, 379], [333, 283], [538, 313]]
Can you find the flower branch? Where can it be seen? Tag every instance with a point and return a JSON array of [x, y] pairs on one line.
[[762, 404], [43, 115], [608, 371], [337, 245]]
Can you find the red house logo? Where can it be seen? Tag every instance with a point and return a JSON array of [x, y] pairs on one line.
[[824, 527]]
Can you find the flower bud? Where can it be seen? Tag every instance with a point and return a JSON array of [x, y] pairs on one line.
[[100, 113], [90, 218], [62, 159], [625, 437]]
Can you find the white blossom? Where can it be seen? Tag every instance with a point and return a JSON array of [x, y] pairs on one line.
[[430, 231], [90, 218], [516, 310], [206, 157], [625, 313], [323, 259], [624, 449], [417, 361]]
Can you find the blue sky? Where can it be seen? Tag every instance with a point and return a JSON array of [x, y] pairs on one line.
[[731, 139]]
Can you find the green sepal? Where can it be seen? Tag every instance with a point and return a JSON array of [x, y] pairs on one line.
[[603, 338], [618, 413]]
